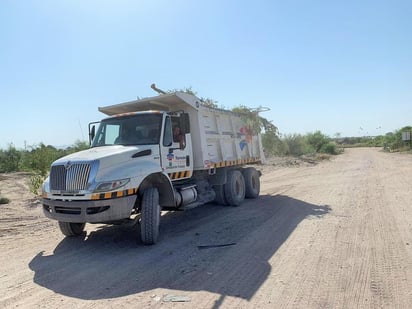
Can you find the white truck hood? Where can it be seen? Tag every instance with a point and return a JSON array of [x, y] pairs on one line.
[[106, 155]]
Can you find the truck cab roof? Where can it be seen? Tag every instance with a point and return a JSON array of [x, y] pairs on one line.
[[133, 113], [165, 102]]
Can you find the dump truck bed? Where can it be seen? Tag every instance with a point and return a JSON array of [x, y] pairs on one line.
[[219, 137]]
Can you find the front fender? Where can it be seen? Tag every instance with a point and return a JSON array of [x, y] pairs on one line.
[[161, 181]]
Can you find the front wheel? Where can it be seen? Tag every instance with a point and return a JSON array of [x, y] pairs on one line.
[[71, 229], [150, 216]]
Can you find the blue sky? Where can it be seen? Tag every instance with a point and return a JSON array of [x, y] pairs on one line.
[[334, 66]]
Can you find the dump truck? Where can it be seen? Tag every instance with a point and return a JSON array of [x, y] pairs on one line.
[[162, 153]]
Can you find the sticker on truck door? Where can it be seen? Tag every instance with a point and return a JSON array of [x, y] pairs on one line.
[[170, 157], [175, 161]]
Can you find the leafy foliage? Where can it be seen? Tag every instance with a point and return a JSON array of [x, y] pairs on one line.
[[254, 120], [394, 142], [35, 183], [317, 140], [296, 145], [329, 147], [35, 159], [273, 144], [9, 159], [391, 141], [205, 101], [4, 200], [41, 157]]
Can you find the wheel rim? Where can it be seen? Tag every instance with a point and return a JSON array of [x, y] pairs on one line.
[[238, 188]]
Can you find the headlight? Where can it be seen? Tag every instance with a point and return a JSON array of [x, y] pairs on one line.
[[45, 187], [111, 185]]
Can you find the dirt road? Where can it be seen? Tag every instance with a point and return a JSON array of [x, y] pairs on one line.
[[333, 235]]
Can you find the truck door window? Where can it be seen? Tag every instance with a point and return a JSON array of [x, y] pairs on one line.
[[178, 134], [167, 136]]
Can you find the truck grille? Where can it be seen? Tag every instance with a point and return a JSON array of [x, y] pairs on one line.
[[70, 178]]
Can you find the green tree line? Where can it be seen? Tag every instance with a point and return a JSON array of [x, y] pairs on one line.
[[391, 141], [317, 142], [35, 159], [298, 144]]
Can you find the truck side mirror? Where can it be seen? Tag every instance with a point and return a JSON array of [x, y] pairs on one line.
[[92, 131]]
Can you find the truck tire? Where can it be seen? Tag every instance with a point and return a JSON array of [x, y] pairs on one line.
[[252, 182], [220, 194], [150, 216], [234, 188], [71, 229]]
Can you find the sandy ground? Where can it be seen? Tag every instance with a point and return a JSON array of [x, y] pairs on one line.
[[331, 235]]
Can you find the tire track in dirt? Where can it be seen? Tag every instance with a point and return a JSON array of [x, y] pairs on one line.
[[346, 262], [389, 259]]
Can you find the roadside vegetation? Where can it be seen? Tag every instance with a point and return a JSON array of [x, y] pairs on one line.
[[34, 160], [318, 143], [4, 200], [391, 141], [313, 143]]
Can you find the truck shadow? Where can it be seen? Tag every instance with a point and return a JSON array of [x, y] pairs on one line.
[[222, 250]]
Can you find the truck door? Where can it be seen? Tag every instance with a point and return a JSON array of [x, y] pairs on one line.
[[176, 147]]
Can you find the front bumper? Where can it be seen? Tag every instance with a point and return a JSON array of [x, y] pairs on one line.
[[98, 211]]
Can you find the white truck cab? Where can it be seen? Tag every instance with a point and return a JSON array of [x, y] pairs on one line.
[[166, 152]]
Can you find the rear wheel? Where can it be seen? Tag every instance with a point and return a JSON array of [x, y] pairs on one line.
[[71, 229], [234, 188], [150, 216], [252, 182], [220, 194]]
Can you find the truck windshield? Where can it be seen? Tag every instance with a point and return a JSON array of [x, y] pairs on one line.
[[141, 129]]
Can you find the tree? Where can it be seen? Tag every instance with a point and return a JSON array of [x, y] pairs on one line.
[[254, 120], [296, 144], [273, 144], [205, 101], [9, 159], [42, 156], [317, 140], [78, 146]]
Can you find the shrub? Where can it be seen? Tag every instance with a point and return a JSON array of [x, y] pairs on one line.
[[35, 183], [41, 158], [4, 200], [9, 159], [394, 142], [329, 148], [296, 145], [317, 140], [273, 145]]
